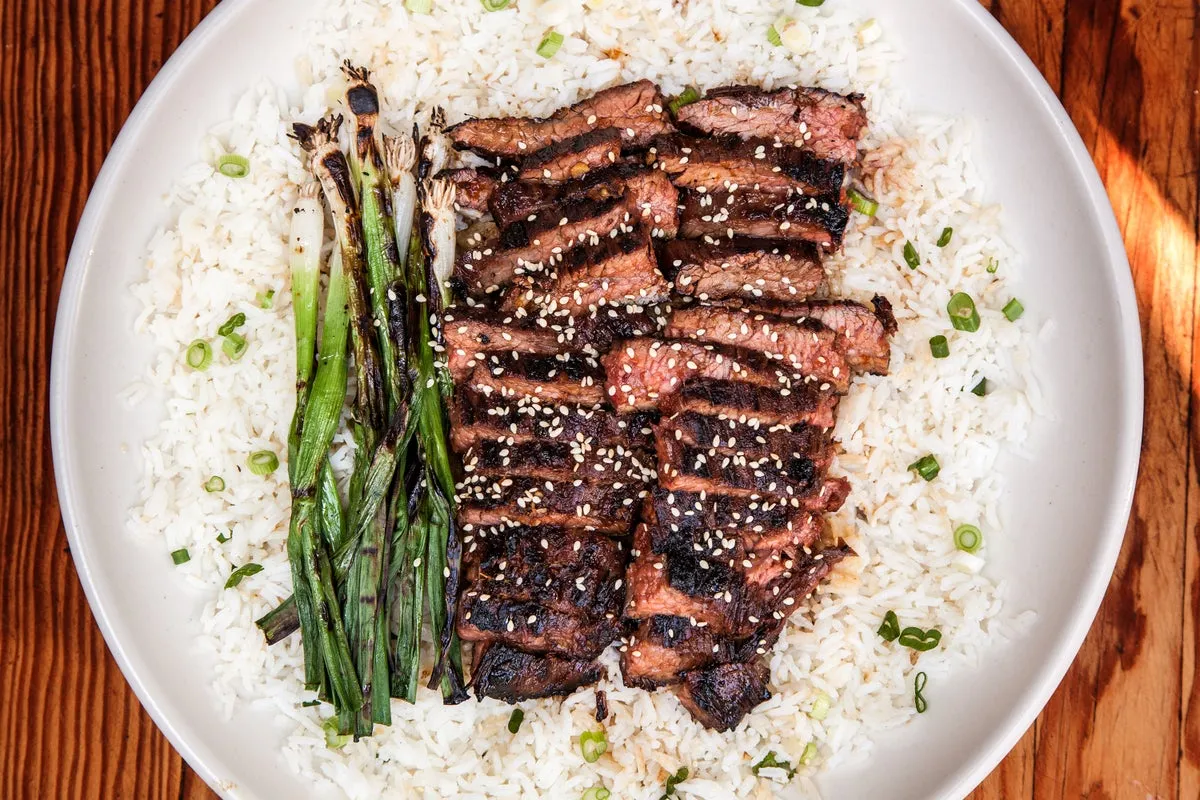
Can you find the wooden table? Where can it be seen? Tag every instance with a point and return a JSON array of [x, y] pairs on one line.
[[1124, 724]]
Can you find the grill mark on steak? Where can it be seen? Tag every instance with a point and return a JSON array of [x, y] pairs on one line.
[[599, 505], [636, 110], [574, 157], [473, 186], [621, 270], [805, 346], [565, 460], [729, 162], [475, 417], [823, 122], [663, 648], [720, 697], [820, 219], [564, 378], [678, 520], [761, 269], [732, 437], [512, 676], [533, 628], [806, 403]]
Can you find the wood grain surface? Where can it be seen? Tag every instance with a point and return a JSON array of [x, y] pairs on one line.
[[1125, 723]]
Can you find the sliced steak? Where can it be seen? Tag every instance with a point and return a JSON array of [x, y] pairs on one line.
[[729, 436], [530, 627], [561, 460], [760, 269], [605, 506], [636, 110], [473, 186], [620, 270], [476, 417], [720, 697], [563, 378], [729, 162], [649, 196], [864, 333], [473, 334], [573, 158], [679, 520], [805, 346], [512, 676], [820, 219], [643, 373], [825, 123], [663, 648], [806, 403]]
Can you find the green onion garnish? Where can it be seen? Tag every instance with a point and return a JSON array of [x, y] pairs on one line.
[[773, 36], [515, 720], [769, 761], [927, 467], [939, 346], [981, 388], [1013, 310], [419, 6], [310, 703], [596, 793], [199, 355], [222, 538], [231, 165], [334, 738], [944, 239], [918, 687], [811, 3], [234, 346], [232, 324], [992, 266], [181, 556], [684, 98], [494, 5], [244, 571], [214, 484], [919, 640], [810, 752], [263, 462], [679, 777], [861, 202], [963, 315], [265, 299], [550, 44], [910, 256], [889, 629], [820, 709], [968, 538], [593, 744]]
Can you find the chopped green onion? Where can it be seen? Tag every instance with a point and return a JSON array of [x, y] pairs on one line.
[[550, 44], [231, 165], [919, 640], [679, 777], [810, 752], [911, 257], [939, 346], [515, 720], [265, 299], [310, 703], [593, 744], [263, 462], [181, 556], [214, 484], [1013, 310], [684, 98], [769, 761], [244, 571], [234, 346], [981, 388], [968, 538], [419, 6], [232, 324], [494, 5], [222, 538], [596, 793], [811, 3], [199, 355], [992, 266], [861, 202], [918, 687], [820, 709], [944, 239], [927, 467], [963, 315], [334, 739], [889, 629], [773, 36]]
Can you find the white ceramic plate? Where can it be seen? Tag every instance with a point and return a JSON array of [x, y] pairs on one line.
[[1065, 512]]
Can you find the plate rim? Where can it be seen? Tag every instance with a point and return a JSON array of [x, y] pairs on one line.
[[1087, 602]]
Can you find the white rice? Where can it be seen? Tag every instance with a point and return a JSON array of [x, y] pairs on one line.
[[227, 242]]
